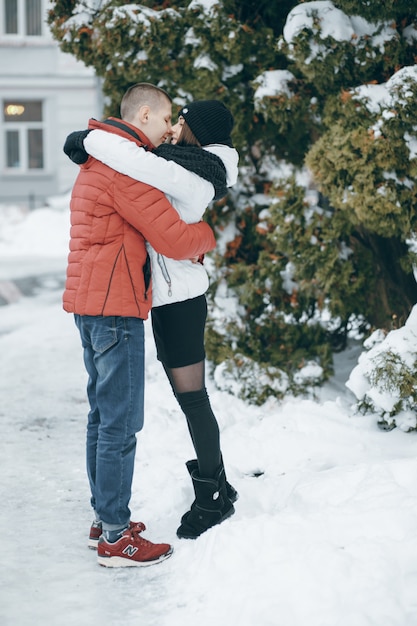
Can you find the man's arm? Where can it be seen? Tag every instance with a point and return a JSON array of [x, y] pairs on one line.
[[148, 210]]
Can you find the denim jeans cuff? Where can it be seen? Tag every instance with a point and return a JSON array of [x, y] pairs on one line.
[[106, 526]]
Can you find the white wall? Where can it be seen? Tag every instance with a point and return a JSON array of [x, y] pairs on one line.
[[35, 68]]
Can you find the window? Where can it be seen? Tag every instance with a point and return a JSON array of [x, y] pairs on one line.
[[23, 17], [24, 135]]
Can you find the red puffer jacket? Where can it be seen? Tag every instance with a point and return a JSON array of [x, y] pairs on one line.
[[111, 217]]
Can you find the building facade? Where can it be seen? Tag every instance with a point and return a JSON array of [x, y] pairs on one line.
[[44, 95]]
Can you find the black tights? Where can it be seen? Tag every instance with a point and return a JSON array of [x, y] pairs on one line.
[[189, 389]]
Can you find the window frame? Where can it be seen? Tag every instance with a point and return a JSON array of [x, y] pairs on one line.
[[22, 21], [23, 128]]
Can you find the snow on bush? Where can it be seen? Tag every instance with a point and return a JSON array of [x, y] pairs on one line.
[[384, 381]]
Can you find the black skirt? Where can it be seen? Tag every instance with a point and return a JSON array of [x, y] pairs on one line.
[[178, 330]]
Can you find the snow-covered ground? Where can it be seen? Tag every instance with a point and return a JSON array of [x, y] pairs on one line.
[[325, 527]]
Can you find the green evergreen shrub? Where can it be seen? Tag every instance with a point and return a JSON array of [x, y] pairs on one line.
[[384, 380], [314, 239]]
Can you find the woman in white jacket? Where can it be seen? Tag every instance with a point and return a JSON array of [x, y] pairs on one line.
[[191, 177]]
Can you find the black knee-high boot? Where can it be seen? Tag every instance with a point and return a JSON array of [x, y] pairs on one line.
[[231, 492], [211, 506]]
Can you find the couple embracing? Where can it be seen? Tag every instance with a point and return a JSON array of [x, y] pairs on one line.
[[137, 245]]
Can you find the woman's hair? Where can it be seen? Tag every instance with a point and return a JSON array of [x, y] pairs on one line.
[[187, 137], [139, 95]]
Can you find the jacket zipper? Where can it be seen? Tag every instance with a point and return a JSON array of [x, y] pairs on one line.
[[165, 274]]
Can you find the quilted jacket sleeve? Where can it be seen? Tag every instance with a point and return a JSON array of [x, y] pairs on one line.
[[148, 211]]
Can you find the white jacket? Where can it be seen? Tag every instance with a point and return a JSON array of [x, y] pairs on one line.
[[189, 194]]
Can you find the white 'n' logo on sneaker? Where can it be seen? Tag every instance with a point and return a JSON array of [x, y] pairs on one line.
[[130, 550]]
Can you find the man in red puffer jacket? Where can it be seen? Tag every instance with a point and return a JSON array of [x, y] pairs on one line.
[[108, 290]]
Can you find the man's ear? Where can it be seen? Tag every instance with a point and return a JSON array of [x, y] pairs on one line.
[[144, 114], [141, 117]]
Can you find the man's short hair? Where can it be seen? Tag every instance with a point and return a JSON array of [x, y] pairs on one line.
[[139, 95]]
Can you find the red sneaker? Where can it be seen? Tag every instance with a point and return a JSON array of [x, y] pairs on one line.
[[96, 530], [131, 550]]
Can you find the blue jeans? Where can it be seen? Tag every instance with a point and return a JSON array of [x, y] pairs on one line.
[[114, 359]]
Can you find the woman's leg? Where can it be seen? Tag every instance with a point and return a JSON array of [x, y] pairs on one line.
[[179, 336], [189, 388]]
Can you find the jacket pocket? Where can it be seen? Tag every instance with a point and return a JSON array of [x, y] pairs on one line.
[[98, 332]]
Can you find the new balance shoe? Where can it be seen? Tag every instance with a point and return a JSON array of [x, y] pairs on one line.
[[96, 531], [131, 550]]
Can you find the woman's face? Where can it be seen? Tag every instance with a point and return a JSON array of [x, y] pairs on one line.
[[177, 130]]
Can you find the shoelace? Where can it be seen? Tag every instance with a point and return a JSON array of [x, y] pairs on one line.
[[135, 534]]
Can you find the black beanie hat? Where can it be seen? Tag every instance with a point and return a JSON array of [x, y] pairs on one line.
[[210, 121]]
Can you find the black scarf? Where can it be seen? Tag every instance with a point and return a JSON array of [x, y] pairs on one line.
[[192, 158], [201, 162]]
